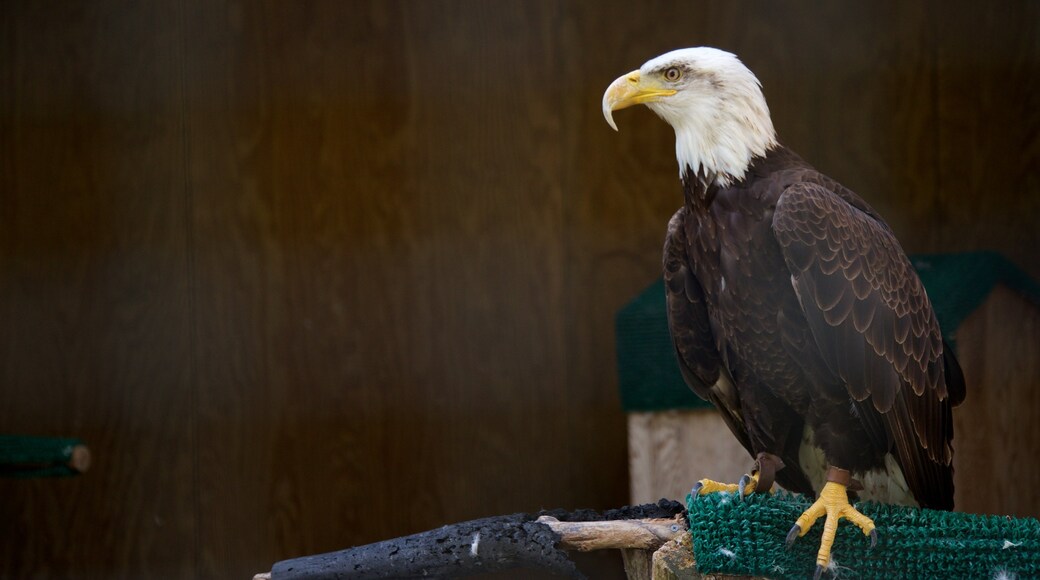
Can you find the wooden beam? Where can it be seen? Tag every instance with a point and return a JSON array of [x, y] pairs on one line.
[[645, 534]]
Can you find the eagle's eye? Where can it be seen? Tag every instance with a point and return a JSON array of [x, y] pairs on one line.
[[673, 74]]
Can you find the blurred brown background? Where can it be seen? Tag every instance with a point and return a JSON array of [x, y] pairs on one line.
[[313, 274]]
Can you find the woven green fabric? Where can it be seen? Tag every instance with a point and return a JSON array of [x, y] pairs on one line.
[[648, 373], [24, 456], [746, 537]]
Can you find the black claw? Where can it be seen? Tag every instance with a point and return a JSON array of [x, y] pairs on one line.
[[793, 535], [696, 491], [873, 538], [819, 572], [742, 484]]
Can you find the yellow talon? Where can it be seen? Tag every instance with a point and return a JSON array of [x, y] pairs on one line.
[[834, 503], [748, 484], [706, 486], [765, 462]]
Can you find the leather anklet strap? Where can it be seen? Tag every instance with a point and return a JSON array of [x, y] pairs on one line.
[[844, 477], [839, 475], [767, 464]]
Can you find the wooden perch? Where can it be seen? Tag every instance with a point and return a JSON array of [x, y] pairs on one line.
[[646, 534], [79, 459], [493, 544]]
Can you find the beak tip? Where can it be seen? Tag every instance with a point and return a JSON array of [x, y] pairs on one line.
[[608, 114], [619, 95]]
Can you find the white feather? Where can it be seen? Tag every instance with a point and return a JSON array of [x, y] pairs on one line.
[[719, 114], [886, 485]]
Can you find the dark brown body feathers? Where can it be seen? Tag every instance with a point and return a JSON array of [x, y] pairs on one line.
[[791, 304]]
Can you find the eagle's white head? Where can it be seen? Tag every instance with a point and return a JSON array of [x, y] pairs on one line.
[[713, 102]]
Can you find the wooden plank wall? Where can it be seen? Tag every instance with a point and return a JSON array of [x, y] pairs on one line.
[[998, 433], [314, 274]]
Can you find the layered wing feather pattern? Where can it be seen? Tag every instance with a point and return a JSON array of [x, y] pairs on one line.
[[874, 326]]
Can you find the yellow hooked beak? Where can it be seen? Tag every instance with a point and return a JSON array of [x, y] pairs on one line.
[[631, 89]]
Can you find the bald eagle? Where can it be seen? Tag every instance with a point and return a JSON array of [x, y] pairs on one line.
[[793, 308]]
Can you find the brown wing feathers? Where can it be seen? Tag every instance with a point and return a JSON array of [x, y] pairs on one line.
[[691, 332], [874, 326]]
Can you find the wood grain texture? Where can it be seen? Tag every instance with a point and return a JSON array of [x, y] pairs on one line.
[[93, 294], [988, 131], [669, 451], [353, 266], [997, 432], [380, 264]]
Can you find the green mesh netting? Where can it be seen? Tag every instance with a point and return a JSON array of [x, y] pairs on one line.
[[24, 456], [648, 373], [647, 370], [746, 537]]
